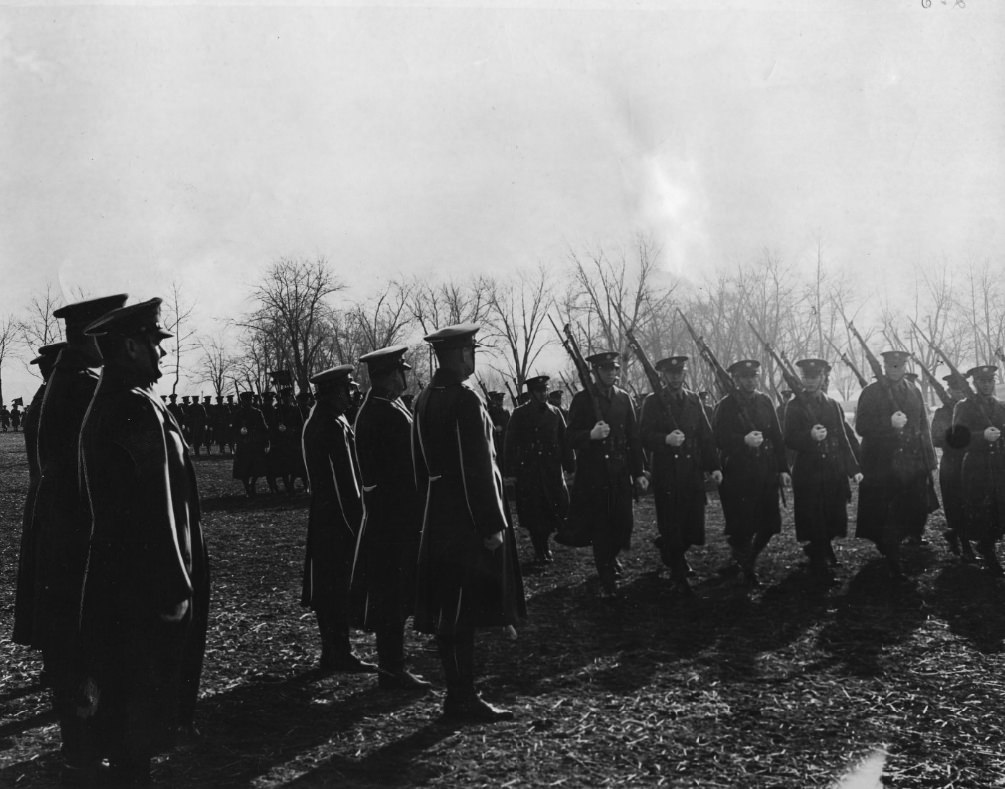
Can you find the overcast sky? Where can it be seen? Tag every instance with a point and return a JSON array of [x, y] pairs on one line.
[[143, 145]]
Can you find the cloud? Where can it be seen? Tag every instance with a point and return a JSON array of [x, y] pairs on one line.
[[23, 61]]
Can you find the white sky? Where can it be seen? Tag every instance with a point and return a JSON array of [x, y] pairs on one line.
[[143, 144]]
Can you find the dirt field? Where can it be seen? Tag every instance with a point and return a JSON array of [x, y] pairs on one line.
[[785, 686]]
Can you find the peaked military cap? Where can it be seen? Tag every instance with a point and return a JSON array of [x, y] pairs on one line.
[[672, 364], [811, 368], [48, 351], [342, 374], [555, 394], [247, 395], [955, 381], [460, 335], [173, 396], [494, 395], [896, 357], [982, 371], [78, 315], [206, 398], [537, 382], [17, 401], [383, 359], [604, 359], [142, 318], [185, 398], [230, 398], [744, 367]]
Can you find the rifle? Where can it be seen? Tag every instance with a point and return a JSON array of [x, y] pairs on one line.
[[485, 391], [849, 364], [659, 391], [566, 384], [723, 380], [510, 390], [877, 367], [939, 389], [572, 348], [791, 379]]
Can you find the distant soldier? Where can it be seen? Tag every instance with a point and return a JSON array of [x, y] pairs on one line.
[[273, 460], [288, 442], [63, 523], [823, 463], [753, 467], [335, 517], [951, 470], [16, 414], [468, 573], [608, 460], [229, 431], [896, 459], [388, 547], [678, 436], [981, 421], [536, 455], [207, 435], [251, 444], [500, 417], [4, 418], [25, 594], [145, 595], [176, 410], [555, 398], [197, 421]]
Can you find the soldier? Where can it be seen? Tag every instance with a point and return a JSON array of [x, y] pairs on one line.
[[16, 415], [63, 519], [146, 591], [753, 466], [197, 420], [273, 460], [608, 459], [555, 398], [287, 444], [25, 594], [176, 410], [388, 547], [950, 470], [978, 424], [896, 458], [4, 418], [677, 433], [500, 417], [536, 454], [252, 444], [335, 516], [822, 465], [468, 573], [207, 435]]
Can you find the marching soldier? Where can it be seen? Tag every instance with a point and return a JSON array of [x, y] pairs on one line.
[[335, 516], [16, 414], [197, 421], [287, 443], [981, 421], [388, 546], [468, 573], [822, 465], [896, 493], [753, 467], [608, 460], [63, 519], [500, 417], [555, 398], [251, 444], [951, 469], [273, 460], [536, 454], [676, 432], [145, 595], [176, 410]]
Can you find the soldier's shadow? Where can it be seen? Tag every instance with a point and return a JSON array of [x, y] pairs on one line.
[[874, 613], [973, 604]]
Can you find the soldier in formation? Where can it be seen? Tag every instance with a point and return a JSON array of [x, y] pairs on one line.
[[951, 470], [251, 444]]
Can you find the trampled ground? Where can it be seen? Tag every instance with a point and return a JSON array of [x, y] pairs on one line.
[[784, 686]]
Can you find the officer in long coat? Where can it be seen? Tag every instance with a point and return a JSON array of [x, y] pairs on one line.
[[62, 521], [251, 444], [336, 514], [287, 443], [197, 421], [897, 458], [608, 459], [24, 597], [678, 436], [951, 470], [753, 467], [388, 547], [468, 574], [145, 596], [823, 462], [981, 420], [536, 455]]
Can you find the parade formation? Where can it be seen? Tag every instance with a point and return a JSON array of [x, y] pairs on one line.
[[410, 513]]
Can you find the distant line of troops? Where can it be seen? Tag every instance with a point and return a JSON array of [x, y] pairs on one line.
[[409, 513]]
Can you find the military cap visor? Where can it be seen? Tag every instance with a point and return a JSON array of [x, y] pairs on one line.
[[604, 359], [460, 335], [48, 352], [895, 357], [672, 364], [537, 383], [811, 368], [744, 367], [142, 318], [81, 313], [955, 381], [333, 375], [389, 358], [983, 372]]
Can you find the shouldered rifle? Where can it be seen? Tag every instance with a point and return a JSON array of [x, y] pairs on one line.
[[659, 391], [510, 390], [572, 348], [849, 364], [876, 366], [723, 380], [485, 391], [933, 382], [791, 379]]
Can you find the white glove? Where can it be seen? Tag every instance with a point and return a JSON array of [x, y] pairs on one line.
[[898, 419], [675, 439], [754, 438], [992, 434], [244, 431], [282, 428], [642, 482], [819, 432], [785, 479], [600, 431], [717, 476], [857, 477]]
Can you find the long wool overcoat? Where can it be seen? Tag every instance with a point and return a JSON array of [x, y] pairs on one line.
[[983, 469]]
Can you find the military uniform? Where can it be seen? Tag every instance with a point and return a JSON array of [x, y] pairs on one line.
[[950, 473], [678, 469], [500, 417], [981, 420], [751, 469], [198, 419], [251, 444], [536, 454]]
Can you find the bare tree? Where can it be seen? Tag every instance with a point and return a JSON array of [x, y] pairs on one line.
[[8, 336], [517, 310], [177, 312], [216, 365], [37, 327]]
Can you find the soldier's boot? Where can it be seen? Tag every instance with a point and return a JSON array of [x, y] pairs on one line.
[[891, 550], [465, 703], [953, 542], [249, 489], [679, 571], [392, 673], [820, 564], [288, 484], [967, 551], [991, 563]]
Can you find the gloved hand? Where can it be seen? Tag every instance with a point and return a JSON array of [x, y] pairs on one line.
[[992, 434], [600, 431], [785, 479], [675, 439], [642, 482], [244, 431], [898, 419], [717, 476], [754, 438], [818, 432], [857, 477], [282, 428]]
